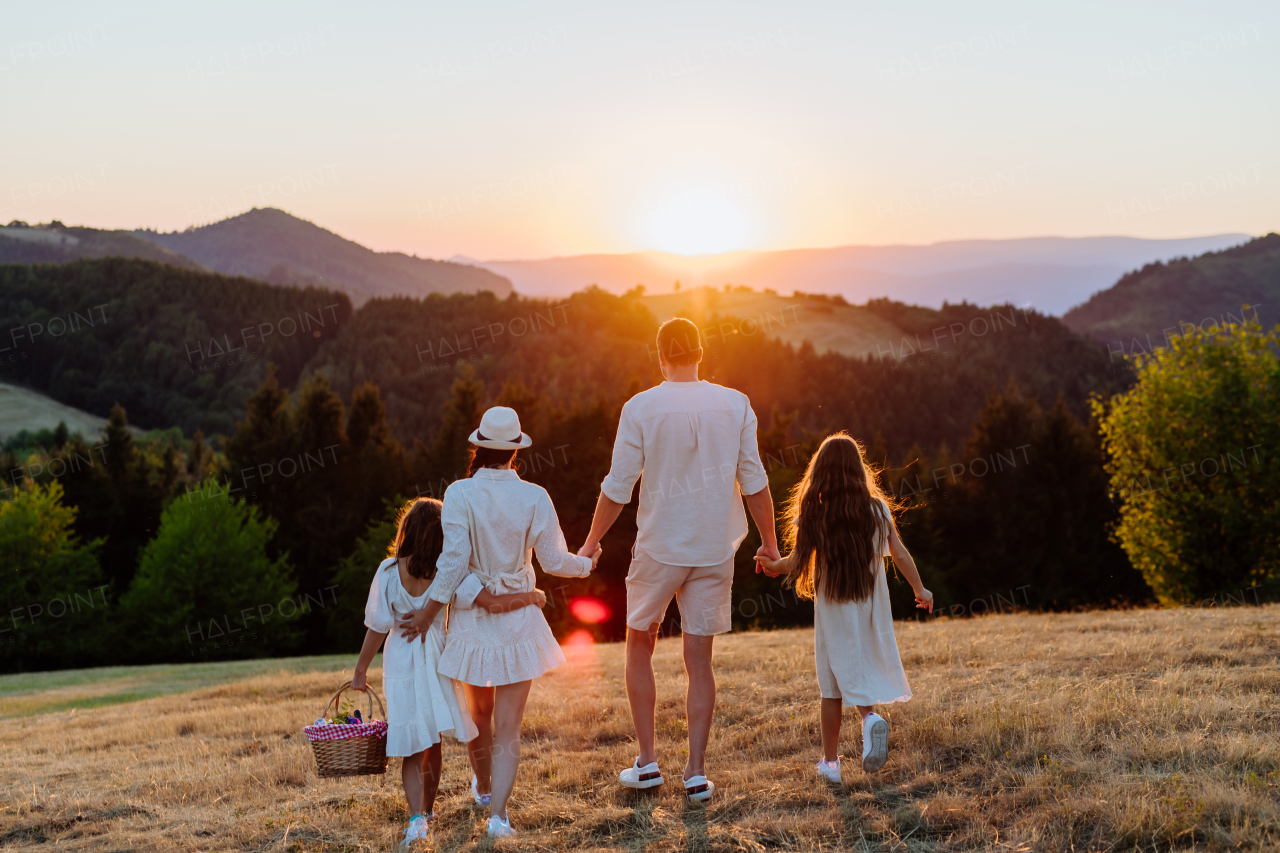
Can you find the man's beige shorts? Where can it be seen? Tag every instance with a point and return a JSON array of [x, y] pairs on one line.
[[704, 594]]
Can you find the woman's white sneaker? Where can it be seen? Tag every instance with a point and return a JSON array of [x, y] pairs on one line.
[[499, 827], [875, 742], [635, 776], [481, 799], [829, 770]]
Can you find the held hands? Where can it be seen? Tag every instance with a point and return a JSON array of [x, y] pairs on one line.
[[769, 561], [592, 550], [924, 599]]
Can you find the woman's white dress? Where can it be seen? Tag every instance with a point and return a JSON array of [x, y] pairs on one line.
[[422, 704], [493, 523], [854, 645]]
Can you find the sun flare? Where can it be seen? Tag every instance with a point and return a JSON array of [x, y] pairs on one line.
[[697, 223]]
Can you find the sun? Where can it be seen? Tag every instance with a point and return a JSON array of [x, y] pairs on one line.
[[697, 223]]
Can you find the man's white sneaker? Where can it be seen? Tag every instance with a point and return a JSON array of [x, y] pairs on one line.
[[875, 742], [635, 776], [699, 788], [499, 827], [481, 799], [829, 770]]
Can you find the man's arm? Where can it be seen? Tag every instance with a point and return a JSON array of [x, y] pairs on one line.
[[607, 512], [761, 506]]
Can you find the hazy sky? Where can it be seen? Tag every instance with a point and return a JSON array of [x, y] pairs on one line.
[[505, 130]]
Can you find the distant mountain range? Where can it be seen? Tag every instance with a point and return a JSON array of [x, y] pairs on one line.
[[1050, 274], [1208, 290], [280, 248]]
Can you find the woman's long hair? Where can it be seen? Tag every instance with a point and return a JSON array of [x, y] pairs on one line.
[[419, 537], [834, 523]]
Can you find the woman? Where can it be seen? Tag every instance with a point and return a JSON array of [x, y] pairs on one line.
[[493, 522]]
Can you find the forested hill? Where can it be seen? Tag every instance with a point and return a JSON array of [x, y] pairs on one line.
[[175, 347], [275, 246], [55, 243], [1214, 287]]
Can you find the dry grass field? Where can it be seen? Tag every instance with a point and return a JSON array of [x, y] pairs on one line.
[[1139, 730]]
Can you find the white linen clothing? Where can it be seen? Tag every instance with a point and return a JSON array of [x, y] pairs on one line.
[[695, 444], [493, 523], [421, 704], [854, 645]]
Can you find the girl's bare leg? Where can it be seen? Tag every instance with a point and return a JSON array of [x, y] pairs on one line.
[[480, 748], [508, 712], [831, 713], [431, 760], [411, 776]]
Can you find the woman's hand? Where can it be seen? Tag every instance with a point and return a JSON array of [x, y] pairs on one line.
[[924, 599], [595, 556], [538, 599], [359, 680]]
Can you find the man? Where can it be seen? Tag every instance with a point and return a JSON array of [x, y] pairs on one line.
[[695, 443]]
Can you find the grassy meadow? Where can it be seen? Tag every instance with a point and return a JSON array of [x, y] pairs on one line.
[[1131, 730]]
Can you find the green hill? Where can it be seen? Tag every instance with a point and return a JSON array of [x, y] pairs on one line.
[[274, 246], [1142, 306], [175, 347], [56, 243]]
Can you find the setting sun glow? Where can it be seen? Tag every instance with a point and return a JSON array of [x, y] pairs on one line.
[[697, 223]]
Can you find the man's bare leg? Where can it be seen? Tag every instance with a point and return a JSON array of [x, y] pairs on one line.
[[700, 702], [642, 692]]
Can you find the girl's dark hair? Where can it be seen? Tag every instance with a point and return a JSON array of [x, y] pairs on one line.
[[835, 523], [487, 457], [419, 537]]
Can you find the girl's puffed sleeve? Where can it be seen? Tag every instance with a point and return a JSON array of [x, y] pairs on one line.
[[553, 553], [377, 610]]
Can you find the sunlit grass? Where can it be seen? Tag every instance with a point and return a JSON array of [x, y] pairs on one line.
[[1103, 731]]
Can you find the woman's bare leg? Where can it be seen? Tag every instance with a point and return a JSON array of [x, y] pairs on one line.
[[480, 748], [508, 712]]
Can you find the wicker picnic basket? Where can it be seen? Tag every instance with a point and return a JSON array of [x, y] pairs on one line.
[[350, 749]]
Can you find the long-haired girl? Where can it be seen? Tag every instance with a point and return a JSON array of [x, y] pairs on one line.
[[839, 529]]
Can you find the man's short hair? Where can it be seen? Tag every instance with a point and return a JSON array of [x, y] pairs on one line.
[[678, 341]]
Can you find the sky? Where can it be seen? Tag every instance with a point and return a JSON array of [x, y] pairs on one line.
[[521, 130]]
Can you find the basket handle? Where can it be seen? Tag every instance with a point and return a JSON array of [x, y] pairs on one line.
[[369, 689]]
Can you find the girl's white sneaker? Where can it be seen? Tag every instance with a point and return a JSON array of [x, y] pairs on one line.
[[635, 776], [481, 799], [499, 827], [875, 742], [829, 770], [419, 829]]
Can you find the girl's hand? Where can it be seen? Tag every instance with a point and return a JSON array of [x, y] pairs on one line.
[[538, 599], [772, 568], [595, 556], [359, 680], [924, 599]]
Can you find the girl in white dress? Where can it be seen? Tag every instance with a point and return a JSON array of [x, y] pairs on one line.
[[840, 528], [421, 704], [493, 523]]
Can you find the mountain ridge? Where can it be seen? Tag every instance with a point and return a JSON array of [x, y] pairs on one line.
[[275, 246]]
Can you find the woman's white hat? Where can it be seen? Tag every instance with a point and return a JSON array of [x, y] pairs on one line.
[[500, 430]]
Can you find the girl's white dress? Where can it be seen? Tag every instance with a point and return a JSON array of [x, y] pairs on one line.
[[422, 704], [493, 522], [854, 645]]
